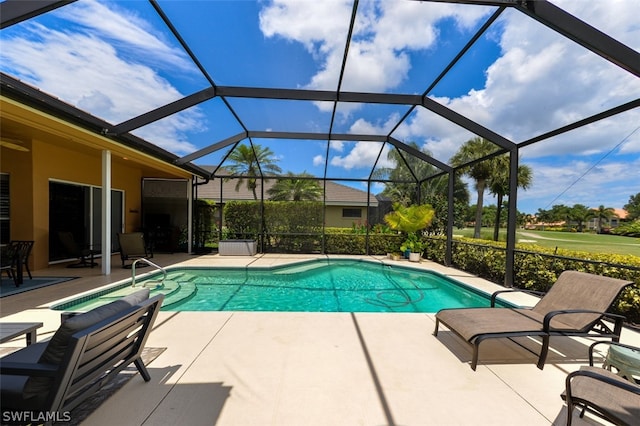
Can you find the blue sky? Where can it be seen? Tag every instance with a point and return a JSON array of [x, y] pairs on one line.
[[116, 60]]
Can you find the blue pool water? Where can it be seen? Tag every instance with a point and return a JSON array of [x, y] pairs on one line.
[[326, 285]]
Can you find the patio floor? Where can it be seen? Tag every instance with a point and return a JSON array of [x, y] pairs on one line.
[[264, 368]]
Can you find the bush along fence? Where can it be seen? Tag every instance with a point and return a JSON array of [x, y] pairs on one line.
[[536, 268]]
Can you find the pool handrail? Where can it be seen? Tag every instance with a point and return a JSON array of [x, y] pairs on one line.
[[150, 263]]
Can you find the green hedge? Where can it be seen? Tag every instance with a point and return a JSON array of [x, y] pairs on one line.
[[242, 220], [537, 268], [349, 243]]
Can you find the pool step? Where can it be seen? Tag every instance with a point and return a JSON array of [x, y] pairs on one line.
[[186, 290]]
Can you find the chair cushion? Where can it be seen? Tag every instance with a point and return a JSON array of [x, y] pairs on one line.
[[57, 346]]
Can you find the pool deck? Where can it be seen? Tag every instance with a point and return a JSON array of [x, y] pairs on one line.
[[266, 368]]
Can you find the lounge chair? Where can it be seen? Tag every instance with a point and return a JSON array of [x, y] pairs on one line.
[[603, 392], [133, 246], [574, 306], [73, 249]]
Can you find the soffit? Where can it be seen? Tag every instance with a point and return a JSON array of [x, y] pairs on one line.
[[24, 123]]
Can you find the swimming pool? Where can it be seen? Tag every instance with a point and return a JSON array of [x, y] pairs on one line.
[[322, 285]]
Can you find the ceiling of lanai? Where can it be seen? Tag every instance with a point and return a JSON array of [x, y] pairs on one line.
[[332, 87]]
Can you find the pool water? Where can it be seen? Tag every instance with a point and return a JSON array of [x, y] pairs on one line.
[[325, 285]]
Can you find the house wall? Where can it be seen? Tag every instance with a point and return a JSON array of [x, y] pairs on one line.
[[333, 217], [19, 166], [30, 173]]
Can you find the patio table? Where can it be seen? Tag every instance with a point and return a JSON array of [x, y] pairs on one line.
[[625, 360], [9, 330]]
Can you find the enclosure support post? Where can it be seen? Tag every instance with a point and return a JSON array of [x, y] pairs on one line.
[[448, 257], [512, 217]]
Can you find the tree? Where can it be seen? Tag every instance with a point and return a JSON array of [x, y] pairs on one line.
[[603, 213], [408, 170], [558, 213], [633, 207], [499, 184], [475, 149], [250, 162], [296, 188], [580, 214]]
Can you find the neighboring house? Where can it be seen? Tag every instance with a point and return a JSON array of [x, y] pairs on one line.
[[54, 163], [619, 216], [344, 205]]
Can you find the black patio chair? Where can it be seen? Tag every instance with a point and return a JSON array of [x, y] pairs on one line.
[[23, 251], [9, 262], [73, 249]]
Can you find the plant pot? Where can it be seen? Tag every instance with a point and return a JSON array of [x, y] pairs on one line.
[[414, 257]]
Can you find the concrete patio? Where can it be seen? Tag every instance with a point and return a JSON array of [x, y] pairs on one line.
[[264, 368]]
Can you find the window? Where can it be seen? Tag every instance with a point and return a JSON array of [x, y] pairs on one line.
[[352, 213], [78, 209], [5, 223]]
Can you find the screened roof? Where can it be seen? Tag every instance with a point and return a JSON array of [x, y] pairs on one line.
[[333, 88]]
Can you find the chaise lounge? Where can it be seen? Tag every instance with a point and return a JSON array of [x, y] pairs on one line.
[[85, 354], [614, 397], [575, 305], [133, 246]]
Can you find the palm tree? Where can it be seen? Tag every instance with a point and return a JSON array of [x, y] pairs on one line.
[[296, 187], [408, 168], [580, 213], [603, 213], [475, 149], [251, 162], [499, 184]]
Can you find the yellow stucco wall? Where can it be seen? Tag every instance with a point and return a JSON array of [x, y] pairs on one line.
[[30, 174], [19, 166], [333, 217]]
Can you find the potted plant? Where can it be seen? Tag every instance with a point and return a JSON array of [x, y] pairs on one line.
[[410, 220], [394, 255], [412, 247]]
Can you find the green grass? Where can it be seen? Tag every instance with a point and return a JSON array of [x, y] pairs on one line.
[[587, 242]]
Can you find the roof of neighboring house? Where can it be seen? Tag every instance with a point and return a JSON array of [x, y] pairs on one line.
[[336, 194], [621, 213]]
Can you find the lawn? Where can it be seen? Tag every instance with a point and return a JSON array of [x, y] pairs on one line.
[[587, 242]]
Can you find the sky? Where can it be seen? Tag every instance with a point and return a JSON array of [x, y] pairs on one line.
[[117, 60]]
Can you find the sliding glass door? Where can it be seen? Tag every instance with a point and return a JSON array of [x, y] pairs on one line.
[[77, 209]]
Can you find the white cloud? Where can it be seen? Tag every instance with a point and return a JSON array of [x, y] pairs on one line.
[[580, 182], [384, 35], [541, 83], [318, 160], [127, 30], [363, 154], [337, 146], [92, 74], [544, 82]]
